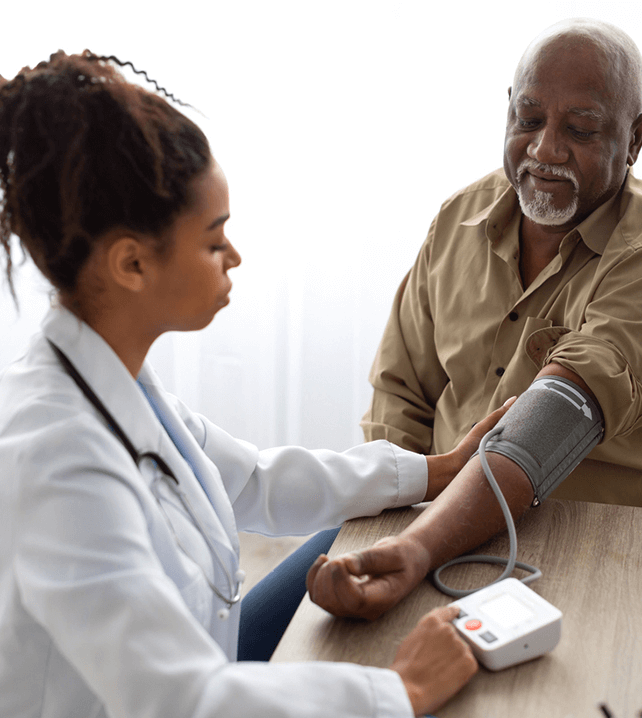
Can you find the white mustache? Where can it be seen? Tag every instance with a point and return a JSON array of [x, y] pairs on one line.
[[565, 172]]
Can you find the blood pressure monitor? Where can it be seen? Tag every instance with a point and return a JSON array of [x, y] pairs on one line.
[[507, 623]]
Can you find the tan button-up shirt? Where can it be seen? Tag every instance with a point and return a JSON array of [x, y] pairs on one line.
[[464, 335]]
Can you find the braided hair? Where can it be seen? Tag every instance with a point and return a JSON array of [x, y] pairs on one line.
[[83, 151]]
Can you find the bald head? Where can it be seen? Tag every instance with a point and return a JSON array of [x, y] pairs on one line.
[[612, 48]]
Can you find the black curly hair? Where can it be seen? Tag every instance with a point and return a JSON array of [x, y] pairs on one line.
[[83, 151]]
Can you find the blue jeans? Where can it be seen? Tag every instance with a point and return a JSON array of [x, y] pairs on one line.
[[268, 608]]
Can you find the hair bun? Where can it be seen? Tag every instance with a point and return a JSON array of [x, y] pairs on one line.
[[82, 151]]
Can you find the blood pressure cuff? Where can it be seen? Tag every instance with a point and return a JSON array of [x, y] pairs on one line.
[[551, 427]]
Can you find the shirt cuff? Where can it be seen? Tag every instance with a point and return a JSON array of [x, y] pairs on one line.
[[390, 695]]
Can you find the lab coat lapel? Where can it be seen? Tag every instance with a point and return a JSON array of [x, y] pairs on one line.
[[112, 383], [212, 484], [212, 520], [104, 372]]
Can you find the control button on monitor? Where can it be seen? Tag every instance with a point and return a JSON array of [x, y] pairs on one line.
[[488, 636], [473, 624]]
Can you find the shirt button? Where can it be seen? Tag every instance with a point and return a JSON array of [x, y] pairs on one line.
[[513, 316], [500, 371]]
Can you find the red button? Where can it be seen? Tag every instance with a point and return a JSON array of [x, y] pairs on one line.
[[473, 625]]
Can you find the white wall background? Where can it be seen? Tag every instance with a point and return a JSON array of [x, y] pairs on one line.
[[341, 125]]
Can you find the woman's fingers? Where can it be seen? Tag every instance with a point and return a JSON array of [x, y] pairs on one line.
[[445, 613], [470, 443], [433, 662], [487, 423]]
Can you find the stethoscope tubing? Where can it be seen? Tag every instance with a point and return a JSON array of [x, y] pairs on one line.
[[234, 583]]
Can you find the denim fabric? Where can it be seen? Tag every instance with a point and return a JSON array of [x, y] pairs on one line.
[[268, 608]]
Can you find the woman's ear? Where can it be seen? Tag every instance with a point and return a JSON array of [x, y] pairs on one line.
[[128, 263]]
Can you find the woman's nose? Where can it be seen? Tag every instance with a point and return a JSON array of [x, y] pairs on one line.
[[232, 257]]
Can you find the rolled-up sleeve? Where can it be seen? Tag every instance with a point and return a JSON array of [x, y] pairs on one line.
[[606, 350]]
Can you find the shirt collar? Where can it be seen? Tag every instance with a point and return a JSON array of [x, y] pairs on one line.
[[598, 227], [595, 230], [497, 215]]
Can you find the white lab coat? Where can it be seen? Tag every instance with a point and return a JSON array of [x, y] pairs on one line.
[[101, 613]]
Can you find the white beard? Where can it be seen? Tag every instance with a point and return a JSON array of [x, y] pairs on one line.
[[541, 211]]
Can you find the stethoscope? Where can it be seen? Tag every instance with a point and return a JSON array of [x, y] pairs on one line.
[[234, 583]]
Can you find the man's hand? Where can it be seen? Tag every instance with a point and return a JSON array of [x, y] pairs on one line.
[[365, 584], [433, 662]]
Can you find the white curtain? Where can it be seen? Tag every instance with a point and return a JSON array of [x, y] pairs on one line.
[[341, 126]]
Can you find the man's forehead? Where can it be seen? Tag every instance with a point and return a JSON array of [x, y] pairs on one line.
[[581, 68], [605, 48], [564, 51]]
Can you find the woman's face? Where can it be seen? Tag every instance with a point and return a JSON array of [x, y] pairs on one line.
[[190, 281]]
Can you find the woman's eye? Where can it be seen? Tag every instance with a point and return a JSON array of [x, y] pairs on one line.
[[218, 248]]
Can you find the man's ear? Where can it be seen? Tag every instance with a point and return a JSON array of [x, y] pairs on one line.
[[510, 92], [127, 263], [636, 141]]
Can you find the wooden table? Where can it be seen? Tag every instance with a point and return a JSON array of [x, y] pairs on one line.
[[591, 558]]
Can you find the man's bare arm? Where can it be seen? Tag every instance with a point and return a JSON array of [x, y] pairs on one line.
[[465, 514]]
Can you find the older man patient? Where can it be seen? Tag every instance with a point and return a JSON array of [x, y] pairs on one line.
[[530, 284]]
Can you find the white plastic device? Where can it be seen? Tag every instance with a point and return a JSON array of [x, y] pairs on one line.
[[507, 623]]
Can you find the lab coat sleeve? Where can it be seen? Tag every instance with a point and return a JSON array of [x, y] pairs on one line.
[[88, 575], [295, 491]]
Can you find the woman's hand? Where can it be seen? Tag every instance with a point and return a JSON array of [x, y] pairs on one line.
[[442, 468], [470, 443], [433, 662], [366, 583]]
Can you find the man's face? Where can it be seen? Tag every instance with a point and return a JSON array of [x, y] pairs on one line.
[[568, 134]]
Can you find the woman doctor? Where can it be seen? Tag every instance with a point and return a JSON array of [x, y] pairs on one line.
[[119, 508]]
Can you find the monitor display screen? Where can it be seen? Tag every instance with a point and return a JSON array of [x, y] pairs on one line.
[[506, 610]]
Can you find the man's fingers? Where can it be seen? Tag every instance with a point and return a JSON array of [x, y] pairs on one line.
[[374, 561], [314, 570], [335, 589]]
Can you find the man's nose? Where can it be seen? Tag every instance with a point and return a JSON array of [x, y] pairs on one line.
[[548, 146]]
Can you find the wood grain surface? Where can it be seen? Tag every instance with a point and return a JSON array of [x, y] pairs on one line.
[[591, 558]]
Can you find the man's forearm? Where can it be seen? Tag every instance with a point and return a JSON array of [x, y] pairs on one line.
[[368, 582], [467, 512]]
